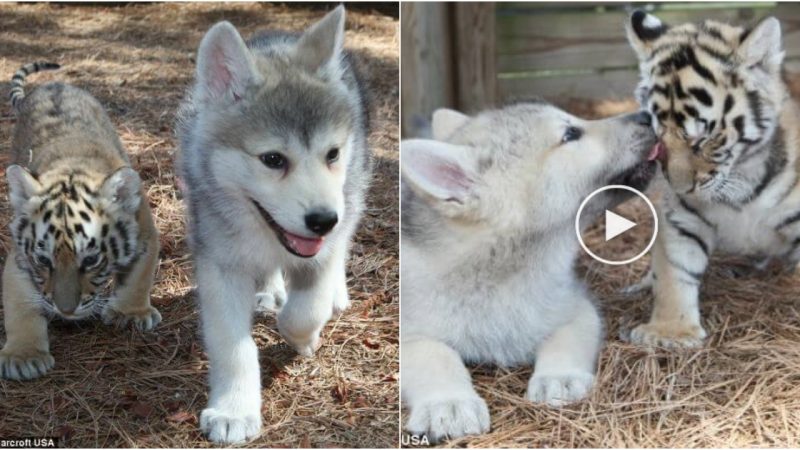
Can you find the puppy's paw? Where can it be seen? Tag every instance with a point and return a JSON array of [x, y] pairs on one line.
[[303, 346], [24, 365], [559, 389], [270, 301], [341, 301], [668, 335], [645, 283], [449, 418], [227, 428], [144, 319]]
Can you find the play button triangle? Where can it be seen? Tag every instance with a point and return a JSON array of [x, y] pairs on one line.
[[616, 225]]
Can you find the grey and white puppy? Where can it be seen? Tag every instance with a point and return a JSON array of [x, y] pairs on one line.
[[488, 249], [275, 163]]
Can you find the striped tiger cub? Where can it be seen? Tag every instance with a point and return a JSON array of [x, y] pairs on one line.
[[729, 130], [81, 219]]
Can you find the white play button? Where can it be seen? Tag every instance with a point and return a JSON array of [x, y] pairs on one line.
[[628, 231], [616, 225]]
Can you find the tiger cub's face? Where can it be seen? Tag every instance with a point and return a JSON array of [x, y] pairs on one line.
[[72, 231], [716, 91]]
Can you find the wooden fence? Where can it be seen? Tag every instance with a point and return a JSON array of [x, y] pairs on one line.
[[470, 56]]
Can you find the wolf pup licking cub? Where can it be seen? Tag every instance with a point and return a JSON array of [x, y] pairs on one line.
[[80, 217], [488, 249], [276, 166]]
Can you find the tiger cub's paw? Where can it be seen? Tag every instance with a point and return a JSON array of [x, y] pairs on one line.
[[669, 335], [143, 319], [24, 364]]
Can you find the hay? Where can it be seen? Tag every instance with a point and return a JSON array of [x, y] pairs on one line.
[[741, 390], [122, 388]]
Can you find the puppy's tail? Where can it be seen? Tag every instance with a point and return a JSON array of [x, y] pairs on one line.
[[17, 93], [645, 283]]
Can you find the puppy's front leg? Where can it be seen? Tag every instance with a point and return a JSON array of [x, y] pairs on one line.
[[226, 297], [438, 391], [311, 301], [565, 362], [272, 296]]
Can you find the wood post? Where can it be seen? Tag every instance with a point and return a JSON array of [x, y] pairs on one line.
[[448, 59]]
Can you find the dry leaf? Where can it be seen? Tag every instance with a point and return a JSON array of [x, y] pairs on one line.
[[141, 409], [360, 402], [181, 417], [339, 392], [64, 432], [172, 405], [369, 343]]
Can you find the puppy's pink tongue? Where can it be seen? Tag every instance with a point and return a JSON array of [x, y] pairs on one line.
[[657, 152], [302, 245]]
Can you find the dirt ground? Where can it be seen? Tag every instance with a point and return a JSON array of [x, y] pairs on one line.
[[741, 390], [123, 388]]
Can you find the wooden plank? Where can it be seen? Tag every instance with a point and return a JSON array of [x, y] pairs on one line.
[[475, 51], [611, 85], [589, 55], [608, 85], [580, 50], [525, 33], [540, 42], [426, 69], [604, 25], [580, 56]]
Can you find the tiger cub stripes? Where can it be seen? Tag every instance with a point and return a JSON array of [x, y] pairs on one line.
[[80, 219], [18, 80], [732, 136]]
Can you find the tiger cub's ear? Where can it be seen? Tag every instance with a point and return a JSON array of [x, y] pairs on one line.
[[762, 46], [642, 30], [122, 190], [21, 187]]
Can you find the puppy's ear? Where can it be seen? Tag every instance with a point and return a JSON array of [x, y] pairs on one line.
[[446, 121], [122, 190], [642, 30], [225, 66], [321, 45], [21, 187], [762, 46], [443, 174]]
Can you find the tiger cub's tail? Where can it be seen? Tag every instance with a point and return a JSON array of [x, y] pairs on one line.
[[17, 93]]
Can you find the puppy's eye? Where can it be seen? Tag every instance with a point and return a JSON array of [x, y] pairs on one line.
[[274, 160], [332, 156], [571, 134]]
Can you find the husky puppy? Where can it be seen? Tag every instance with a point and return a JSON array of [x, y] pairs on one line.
[[488, 247], [275, 164]]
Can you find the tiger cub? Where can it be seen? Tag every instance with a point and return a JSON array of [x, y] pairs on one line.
[[80, 217], [730, 132]]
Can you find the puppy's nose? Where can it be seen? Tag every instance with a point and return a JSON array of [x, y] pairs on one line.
[[321, 221], [642, 118]]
